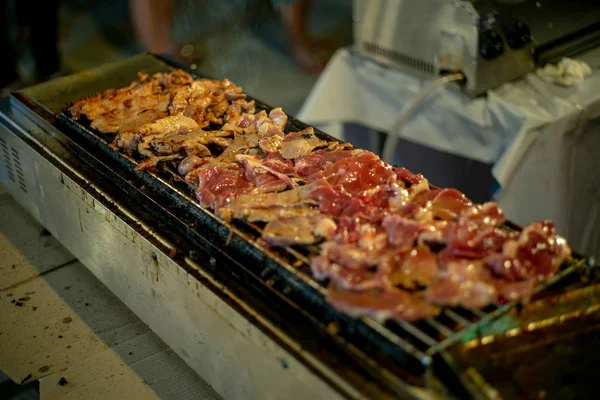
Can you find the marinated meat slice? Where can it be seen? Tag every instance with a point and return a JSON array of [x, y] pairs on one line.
[[332, 200], [206, 101], [413, 268], [271, 144], [269, 214], [244, 123], [279, 118], [298, 230], [192, 178], [114, 123], [449, 203], [406, 186], [268, 174], [381, 305], [357, 173], [242, 144], [445, 204], [176, 123], [140, 95], [476, 233], [402, 232], [298, 144], [369, 203], [319, 159], [236, 109], [193, 142], [536, 254], [356, 279], [436, 234], [408, 178], [126, 109], [244, 204], [190, 163], [350, 255], [128, 141], [320, 266], [191, 147], [267, 128], [466, 283], [219, 186], [152, 161]]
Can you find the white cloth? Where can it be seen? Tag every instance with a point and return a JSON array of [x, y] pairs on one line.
[[567, 72], [542, 139]]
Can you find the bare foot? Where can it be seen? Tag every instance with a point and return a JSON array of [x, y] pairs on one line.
[[306, 59]]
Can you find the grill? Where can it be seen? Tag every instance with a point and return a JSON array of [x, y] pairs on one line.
[[392, 353]]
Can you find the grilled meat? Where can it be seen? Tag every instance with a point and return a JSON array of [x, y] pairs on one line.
[[392, 247]]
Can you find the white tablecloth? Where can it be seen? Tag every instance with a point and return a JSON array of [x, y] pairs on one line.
[[543, 141]]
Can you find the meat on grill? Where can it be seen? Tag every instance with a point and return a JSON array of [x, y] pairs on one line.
[[299, 144], [299, 230], [381, 304], [536, 254], [390, 245]]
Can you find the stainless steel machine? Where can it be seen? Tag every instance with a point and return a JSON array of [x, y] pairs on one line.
[[490, 41]]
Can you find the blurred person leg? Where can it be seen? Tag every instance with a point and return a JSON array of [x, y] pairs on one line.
[[23, 11], [294, 16], [43, 37], [9, 79], [153, 20]]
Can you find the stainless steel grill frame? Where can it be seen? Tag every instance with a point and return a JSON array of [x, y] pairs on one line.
[[281, 276]]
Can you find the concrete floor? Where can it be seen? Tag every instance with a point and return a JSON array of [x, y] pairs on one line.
[[58, 321]]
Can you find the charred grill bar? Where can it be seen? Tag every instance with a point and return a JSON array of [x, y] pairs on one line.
[[352, 355]]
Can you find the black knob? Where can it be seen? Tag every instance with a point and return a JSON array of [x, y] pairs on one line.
[[518, 35], [491, 45]]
